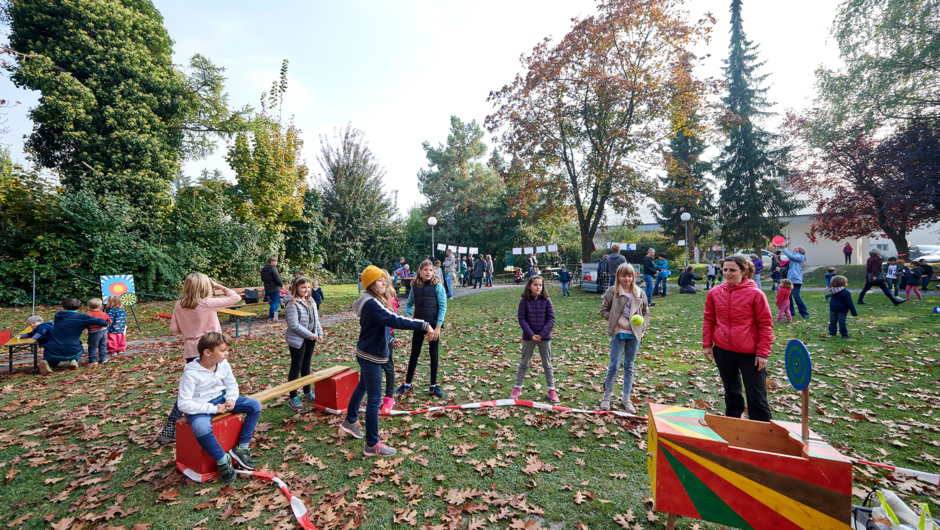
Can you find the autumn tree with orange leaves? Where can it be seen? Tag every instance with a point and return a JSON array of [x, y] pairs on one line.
[[593, 109]]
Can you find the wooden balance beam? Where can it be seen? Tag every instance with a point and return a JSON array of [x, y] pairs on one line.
[[193, 462]]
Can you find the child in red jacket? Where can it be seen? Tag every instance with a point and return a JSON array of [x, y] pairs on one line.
[[783, 300]]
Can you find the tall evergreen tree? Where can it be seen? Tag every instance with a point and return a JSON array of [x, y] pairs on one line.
[[751, 167], [687, 187]]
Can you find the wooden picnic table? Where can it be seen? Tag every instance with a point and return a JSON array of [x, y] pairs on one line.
[[237, 316], [16, 344]]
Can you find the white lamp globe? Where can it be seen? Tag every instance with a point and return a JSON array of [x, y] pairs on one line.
[[432, 221], [685, 216]]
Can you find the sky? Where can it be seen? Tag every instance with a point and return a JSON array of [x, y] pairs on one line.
[[398, 70]]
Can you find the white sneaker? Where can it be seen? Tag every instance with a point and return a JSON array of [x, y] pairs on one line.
[[628, 405]]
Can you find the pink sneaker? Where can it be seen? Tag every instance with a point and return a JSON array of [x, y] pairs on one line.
[[516, 392], [387, 404], [552, 395]]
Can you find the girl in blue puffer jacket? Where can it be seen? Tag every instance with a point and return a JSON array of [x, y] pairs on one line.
[[536, 318]]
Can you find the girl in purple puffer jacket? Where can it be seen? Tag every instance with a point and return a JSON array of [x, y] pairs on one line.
[[536, 318]]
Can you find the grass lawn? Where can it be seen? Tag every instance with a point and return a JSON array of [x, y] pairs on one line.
[[73, 445]]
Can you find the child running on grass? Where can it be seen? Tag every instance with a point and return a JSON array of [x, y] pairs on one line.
[[914, 281], [303, 334], [622, 302], [375, 317], [840, 304], [97, 335], [208, 387], [783, 300], [536, 318], [66, 342], [117, 331], [426, 301]]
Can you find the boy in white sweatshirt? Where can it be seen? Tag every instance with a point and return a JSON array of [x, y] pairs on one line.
[[207, 388]]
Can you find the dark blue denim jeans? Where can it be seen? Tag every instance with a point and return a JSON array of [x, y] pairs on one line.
[[648, 286], [274, 299], [202, 425], [370, 386], [98, 345], [795, 297], [838, 318]]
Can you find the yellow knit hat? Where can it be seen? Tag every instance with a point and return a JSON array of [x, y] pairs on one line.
[[369, 276]]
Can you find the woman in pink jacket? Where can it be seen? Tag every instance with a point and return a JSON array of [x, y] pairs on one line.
[[194, 316], [737, 335]]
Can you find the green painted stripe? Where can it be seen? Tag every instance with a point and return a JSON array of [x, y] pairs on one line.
[[709, 505]]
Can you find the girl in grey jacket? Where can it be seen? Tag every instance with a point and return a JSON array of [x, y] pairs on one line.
[[303, 332]]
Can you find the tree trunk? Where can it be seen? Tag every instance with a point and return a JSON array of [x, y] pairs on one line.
[[586, 243], [898, 237]]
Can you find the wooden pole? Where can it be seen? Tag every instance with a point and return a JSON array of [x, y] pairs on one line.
[[806, 415]]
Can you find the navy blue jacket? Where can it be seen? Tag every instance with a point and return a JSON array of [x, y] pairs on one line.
[[42, 333], [841, 302], [375, 319], [564, 276], [66, 341], [317, 296]]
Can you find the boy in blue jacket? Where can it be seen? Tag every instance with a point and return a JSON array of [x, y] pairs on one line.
[[840, 304], [40, 331], [375, 320], [66, 344], [565, 278]]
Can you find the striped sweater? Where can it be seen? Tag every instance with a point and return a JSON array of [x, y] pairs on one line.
[[375, 319]]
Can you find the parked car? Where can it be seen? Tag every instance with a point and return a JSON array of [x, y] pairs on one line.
[[920, 251]]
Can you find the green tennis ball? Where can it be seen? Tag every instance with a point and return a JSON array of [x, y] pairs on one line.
[[637, 320]]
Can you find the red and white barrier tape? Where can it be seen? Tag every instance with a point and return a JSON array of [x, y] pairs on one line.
[[930, 478], [296, 505], [508, 402]]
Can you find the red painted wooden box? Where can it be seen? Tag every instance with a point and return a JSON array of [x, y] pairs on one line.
[[191, 460], [333, 393]]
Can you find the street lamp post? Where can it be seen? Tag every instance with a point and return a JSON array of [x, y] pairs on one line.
[[432, 221], [686, 217]]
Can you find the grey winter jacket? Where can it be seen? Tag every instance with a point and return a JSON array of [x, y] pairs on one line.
[[449, 265], [302, 322]]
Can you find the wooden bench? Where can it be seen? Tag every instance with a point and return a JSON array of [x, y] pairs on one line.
[[237, 316], [16, 344]]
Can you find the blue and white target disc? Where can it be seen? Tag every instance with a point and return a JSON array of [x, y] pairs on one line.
[[799, 365]]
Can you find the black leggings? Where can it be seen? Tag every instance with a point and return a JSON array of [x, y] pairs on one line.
[[417, 340], [300, 364]]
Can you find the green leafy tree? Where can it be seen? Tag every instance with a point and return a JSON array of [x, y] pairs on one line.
[[463, 190], [687, 187], [590, 105], [750, 167], [114, 115], [358, 212], [307, 235], [267, 163], [890, 54]]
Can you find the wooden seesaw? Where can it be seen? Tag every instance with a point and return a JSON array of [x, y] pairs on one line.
[[332, 386], [748, 474]]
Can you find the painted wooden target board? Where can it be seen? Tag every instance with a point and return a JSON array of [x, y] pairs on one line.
[[120, 285], [745, 474]]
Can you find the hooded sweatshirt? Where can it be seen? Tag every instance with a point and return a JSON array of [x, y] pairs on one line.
[[375, 319], [199, 386]]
